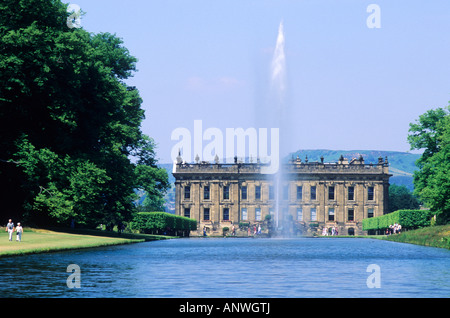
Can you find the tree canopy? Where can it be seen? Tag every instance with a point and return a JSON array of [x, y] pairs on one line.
[[70, 124], [400, 198], [431, 132]]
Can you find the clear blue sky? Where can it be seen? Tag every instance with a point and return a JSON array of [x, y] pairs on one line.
[[349, 87]]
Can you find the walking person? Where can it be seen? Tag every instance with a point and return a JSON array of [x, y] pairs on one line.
[[19, 231], [10, 229]]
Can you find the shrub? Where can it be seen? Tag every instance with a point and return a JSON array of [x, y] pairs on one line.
[[244, 225], [408, 219], [225, 230], [413, 219], [162, 223]]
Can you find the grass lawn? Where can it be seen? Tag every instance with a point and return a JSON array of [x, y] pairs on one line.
[[436, 236], [39, 241]]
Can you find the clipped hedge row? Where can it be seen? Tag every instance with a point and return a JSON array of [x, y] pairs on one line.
[[409, 219], [162, 223]]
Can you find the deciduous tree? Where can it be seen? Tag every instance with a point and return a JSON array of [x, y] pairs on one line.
[[432, 181], [69, 122]]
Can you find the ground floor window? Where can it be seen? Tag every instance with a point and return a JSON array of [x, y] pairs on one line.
[[206, 214], [226, 214], [313, 214], [299, 214], [258, 214], [244, 215], [330, 214], [187, 212], [351, 215]]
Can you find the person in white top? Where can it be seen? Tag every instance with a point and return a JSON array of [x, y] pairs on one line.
[[10, 229], [19, 231]]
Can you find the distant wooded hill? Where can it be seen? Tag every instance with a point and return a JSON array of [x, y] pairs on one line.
[[401, 164]]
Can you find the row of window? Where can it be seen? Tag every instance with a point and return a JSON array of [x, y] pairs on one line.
[[312, 216], [313, 193]]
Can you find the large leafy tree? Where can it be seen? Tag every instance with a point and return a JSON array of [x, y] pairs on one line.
[[69, 122], [431, 132], [401, 198]]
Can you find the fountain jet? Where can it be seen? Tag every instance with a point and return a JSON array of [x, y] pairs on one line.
[[278, 76], [278, 101]]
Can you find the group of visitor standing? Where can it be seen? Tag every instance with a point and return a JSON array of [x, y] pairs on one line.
[[394, 229], [18, 229], [326, 231], [256, 230]]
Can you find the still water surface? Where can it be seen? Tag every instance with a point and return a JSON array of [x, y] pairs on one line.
[[233, 268]]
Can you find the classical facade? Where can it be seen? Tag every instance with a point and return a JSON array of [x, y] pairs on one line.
[[304, 197]]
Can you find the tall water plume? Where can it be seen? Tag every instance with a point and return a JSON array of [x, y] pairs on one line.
[[280, 113], [273, 111], [278, 70]]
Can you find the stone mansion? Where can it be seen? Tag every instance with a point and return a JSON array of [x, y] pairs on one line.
[[312, 195]]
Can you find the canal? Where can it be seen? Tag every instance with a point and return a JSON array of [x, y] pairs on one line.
[[234, 268]]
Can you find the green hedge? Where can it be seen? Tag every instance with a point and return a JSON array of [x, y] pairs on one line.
[[162, 223], [408, 219]]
